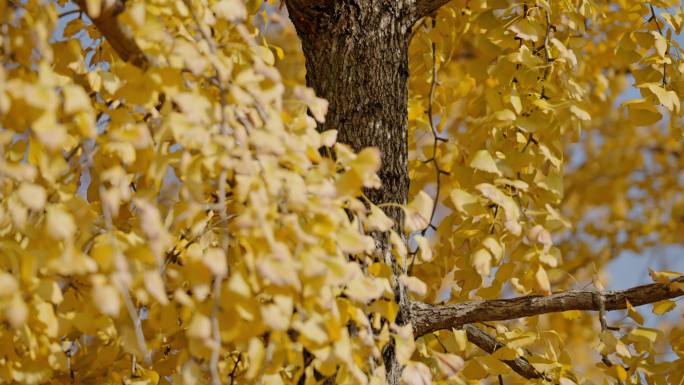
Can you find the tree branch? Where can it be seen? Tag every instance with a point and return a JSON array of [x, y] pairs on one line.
[[123, 43], [427, 318], [489, 344], [428, 7]]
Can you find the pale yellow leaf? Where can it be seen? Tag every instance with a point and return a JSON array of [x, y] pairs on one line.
[[660, 43], [404, 343], [378, 220], [579, 113], [199, 327], [8, 284], [418, 212], [416, 373], [414, 285], [106, 298], [215, 260], [482, 262], [277, 314], [329, 138], [32, 196], [155, 286], [515, 101], [505, 115], [365, 289], [448, 364], [543, 280], [233, 11], [667, 98], [483, 161], [75, 99], [425, 251], [317, 106], [60, 224], [16, 311]]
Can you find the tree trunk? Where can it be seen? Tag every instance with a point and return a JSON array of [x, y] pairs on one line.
[[357, 58]]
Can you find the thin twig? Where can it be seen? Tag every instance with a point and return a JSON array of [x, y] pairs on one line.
[[654, 18], [67, 13], [234, 371], [436, 139]]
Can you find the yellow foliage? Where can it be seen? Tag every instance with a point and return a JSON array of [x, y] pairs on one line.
[[182, 221]]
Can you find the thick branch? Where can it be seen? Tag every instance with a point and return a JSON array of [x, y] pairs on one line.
[[123, 43], [428, 318], [489, 344]]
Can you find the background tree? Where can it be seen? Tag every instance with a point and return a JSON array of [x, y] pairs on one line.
[[436, 207]]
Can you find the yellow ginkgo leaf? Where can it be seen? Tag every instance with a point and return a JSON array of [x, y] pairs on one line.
[[465, 202], [418, 212], [8, 284], [106, 298], [662, 307], [75, 99], [16, 311], [199, 326], [60, 224], [414, 285], [404, 342], [511, 209], [215, 260], [660, 43], [449, 364], [667, 98], [483, 161], [230, 10], [155, 286], [32, 196], [543, 280], [482, 262], [365, 289], [378, 220], [634, 314], [424, 249]]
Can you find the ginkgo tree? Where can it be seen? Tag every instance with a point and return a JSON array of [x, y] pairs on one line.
[[338, 192]]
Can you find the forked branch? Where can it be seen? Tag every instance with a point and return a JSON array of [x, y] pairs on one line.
[[428, 318]]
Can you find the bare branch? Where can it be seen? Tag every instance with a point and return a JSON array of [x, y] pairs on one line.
[[108, 25], [428, 318], [489, 344]]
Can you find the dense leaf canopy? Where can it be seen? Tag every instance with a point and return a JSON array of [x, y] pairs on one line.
[[171, 214]]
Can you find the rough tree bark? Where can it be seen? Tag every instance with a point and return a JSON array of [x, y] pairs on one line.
[[357, 58]]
